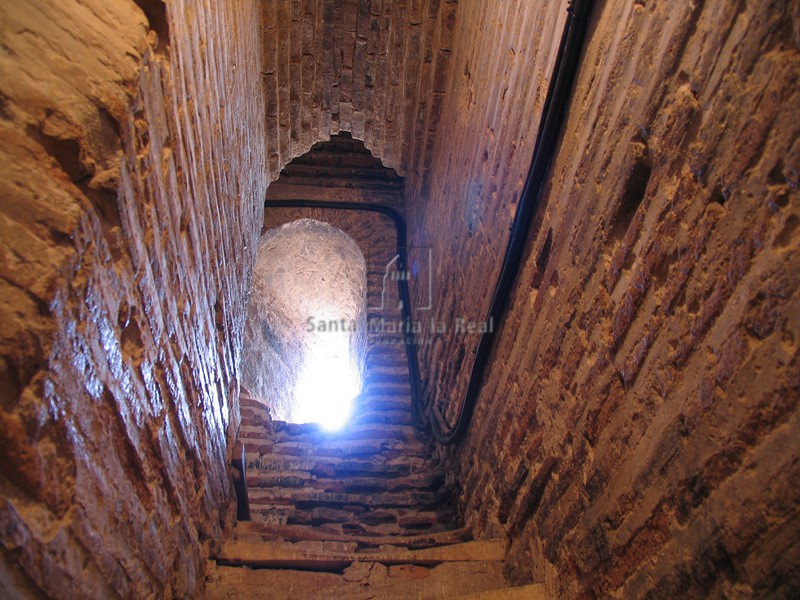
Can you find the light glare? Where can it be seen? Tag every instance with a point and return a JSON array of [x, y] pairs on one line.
[[327, 384]]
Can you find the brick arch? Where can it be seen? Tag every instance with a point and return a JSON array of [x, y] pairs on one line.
[[377, 70]]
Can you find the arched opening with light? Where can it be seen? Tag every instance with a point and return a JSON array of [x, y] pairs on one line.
[[305, 336]]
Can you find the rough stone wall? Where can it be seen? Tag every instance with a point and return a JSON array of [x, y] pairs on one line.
[[376, 68], [304, 270], [637, 435], [134, 171]]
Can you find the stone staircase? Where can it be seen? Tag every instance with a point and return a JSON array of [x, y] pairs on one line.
[[356, 514], [372, 478], [273, 570]]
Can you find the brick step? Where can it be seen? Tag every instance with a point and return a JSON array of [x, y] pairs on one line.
[[392, 368], [378, 465], [383, 522], [388, 352], [365, 525], [386, 340], [388, 332], [308, 498], [392, 357], [382, 388], [389, 361], [397, 417], [354, 429], [392, 354], [379, 377], [257, 531], [353, 529], [351, 432], [350, 448], [364, 395], [321, 557], [289, 480], [334, 467], [387, 366], [383, 402], [423, 519], [367, 413]]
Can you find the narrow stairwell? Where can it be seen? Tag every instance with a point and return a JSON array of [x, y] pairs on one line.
[[359, 513], [372, 478]]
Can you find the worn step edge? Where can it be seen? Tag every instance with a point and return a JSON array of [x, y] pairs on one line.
[[287, 556], [299, 533], [534, 591]]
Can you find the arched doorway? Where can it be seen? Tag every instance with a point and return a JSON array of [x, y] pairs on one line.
[[305, 337]]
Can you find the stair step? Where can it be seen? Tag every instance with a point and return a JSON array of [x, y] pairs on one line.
[[378, 465], [387, 365], [394, 353], [302, 479], [534, 591], [353, 530], [353, 431], [307, 498], [321, 557], [253, 530], [375, 389], [359, 581], [384, 402], [382, 377], [395, 417], [350, 448], [381, 521]]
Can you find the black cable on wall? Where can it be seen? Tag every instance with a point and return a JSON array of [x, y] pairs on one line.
[[553, 117]]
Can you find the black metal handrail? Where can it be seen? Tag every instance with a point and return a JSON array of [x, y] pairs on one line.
[[553, 113]]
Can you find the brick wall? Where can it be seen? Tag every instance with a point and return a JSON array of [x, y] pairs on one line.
[[638, 430], [498, 84], [134, 174], [376, 69]]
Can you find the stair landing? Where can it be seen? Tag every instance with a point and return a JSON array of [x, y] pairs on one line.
[[261, 570]]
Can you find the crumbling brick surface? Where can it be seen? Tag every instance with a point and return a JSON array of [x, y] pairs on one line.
[[637, 432], [123, 285]]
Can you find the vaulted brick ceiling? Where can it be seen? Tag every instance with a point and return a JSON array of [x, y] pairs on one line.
[[376, 69]]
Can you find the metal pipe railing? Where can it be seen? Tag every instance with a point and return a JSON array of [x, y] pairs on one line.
[[553, 114]]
